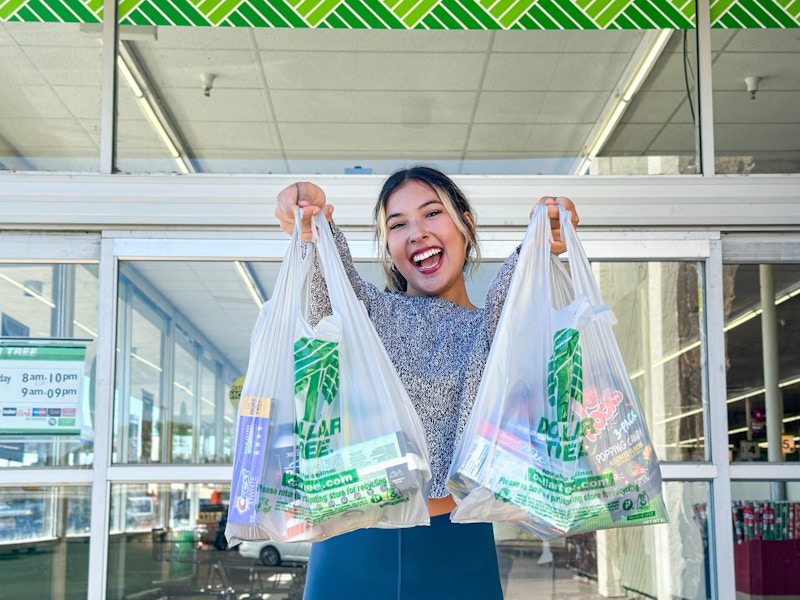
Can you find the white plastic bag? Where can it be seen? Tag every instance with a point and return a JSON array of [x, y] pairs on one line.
[[556, 442], [327, 439]]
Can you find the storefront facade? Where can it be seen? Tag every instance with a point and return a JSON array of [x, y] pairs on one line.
[[137, 243]]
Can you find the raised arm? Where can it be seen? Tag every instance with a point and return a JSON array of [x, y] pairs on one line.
[[312, 200]]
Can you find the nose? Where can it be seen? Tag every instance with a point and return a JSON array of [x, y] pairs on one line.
[[417, 232]]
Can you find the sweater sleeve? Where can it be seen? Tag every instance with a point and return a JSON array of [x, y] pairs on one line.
[[496, 295], [320, 306]]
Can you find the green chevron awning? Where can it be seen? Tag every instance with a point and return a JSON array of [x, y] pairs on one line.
[[415, 14]]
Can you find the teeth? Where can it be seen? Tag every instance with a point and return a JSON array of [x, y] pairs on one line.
[[427, 254]]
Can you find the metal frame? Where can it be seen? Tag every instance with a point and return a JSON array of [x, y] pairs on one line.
[[205, 243], [54, 202], [104, 217]]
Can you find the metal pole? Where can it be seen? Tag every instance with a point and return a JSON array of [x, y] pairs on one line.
[[773, 398]]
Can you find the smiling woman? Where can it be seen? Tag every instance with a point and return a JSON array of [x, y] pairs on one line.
[[438, 341]]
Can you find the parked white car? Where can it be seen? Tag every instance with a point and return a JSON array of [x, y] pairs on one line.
[[272, 553]]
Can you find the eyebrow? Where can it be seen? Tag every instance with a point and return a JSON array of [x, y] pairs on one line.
[[420, 207]]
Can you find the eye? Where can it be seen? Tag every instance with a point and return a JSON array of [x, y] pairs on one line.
[[433, 213], [395, 225]]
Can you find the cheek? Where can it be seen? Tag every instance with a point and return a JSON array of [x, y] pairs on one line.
[[394, 252]]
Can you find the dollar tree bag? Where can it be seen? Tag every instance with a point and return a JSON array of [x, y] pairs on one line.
[[556, 442], [327, 439]]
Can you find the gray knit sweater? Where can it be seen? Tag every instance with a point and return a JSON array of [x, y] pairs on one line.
[[438, 348]]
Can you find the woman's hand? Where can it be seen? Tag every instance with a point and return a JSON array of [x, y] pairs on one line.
[[553, 202], [307, 196]]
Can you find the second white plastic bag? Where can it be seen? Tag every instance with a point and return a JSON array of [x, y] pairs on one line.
[[327, 439], [556, 442]]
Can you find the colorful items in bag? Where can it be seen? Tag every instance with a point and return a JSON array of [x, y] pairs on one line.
[[321, 475], [608, 486], [252, 432], [556, 442]]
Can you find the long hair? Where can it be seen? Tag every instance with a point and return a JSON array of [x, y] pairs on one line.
[[455, 204]]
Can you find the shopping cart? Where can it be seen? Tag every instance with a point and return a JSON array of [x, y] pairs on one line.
[[191, 572]]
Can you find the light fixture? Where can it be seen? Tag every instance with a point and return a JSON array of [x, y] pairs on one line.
[[250, 282], [752, 85], [137, 82], [645, 56], [208, 83]]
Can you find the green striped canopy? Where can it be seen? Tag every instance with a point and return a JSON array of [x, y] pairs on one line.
[[415, 14]]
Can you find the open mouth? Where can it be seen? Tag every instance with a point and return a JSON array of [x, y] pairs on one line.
[[428, 259]]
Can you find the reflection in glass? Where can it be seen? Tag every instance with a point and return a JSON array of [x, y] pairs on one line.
[[139, 410], [50, 97], [169, 539], [44, 549], [756, 122], [658, 332], [44, 307], [272, 100], [767, 535], [184, 400], [752, 369], [656, 561], [183, 338]]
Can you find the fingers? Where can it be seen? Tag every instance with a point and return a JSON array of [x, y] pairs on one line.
[[553, 202], [305, 196]]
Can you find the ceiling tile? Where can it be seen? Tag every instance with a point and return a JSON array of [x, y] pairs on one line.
[[371, 41], [399, 141], [768, 107], [60, 35], [675, 138], [537, 107], [745, 138], [374, 71], [657, 107], [170, 68], [199, 38], [778, 71], [224, 104], [554, 72], [82, 102], [581, 42], [67, 66], [211, 135], [632, 139], [414, 107], [522, 138], [757, 40]]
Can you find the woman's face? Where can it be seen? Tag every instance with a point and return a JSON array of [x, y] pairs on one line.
[[425, 245]]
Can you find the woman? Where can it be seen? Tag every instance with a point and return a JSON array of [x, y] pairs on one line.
[[438, 341]]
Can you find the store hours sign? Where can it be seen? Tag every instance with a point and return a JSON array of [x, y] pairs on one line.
[[41, 388]]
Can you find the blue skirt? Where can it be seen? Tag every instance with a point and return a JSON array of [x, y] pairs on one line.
[[445, 560]]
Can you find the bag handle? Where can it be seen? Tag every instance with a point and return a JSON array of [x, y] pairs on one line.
[[340, 290], [583, 279]]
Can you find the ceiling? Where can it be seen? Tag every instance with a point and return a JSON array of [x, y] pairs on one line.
[[320, 101]]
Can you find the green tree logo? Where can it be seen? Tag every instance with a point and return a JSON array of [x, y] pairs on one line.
[[316, 373], [565, 372]]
